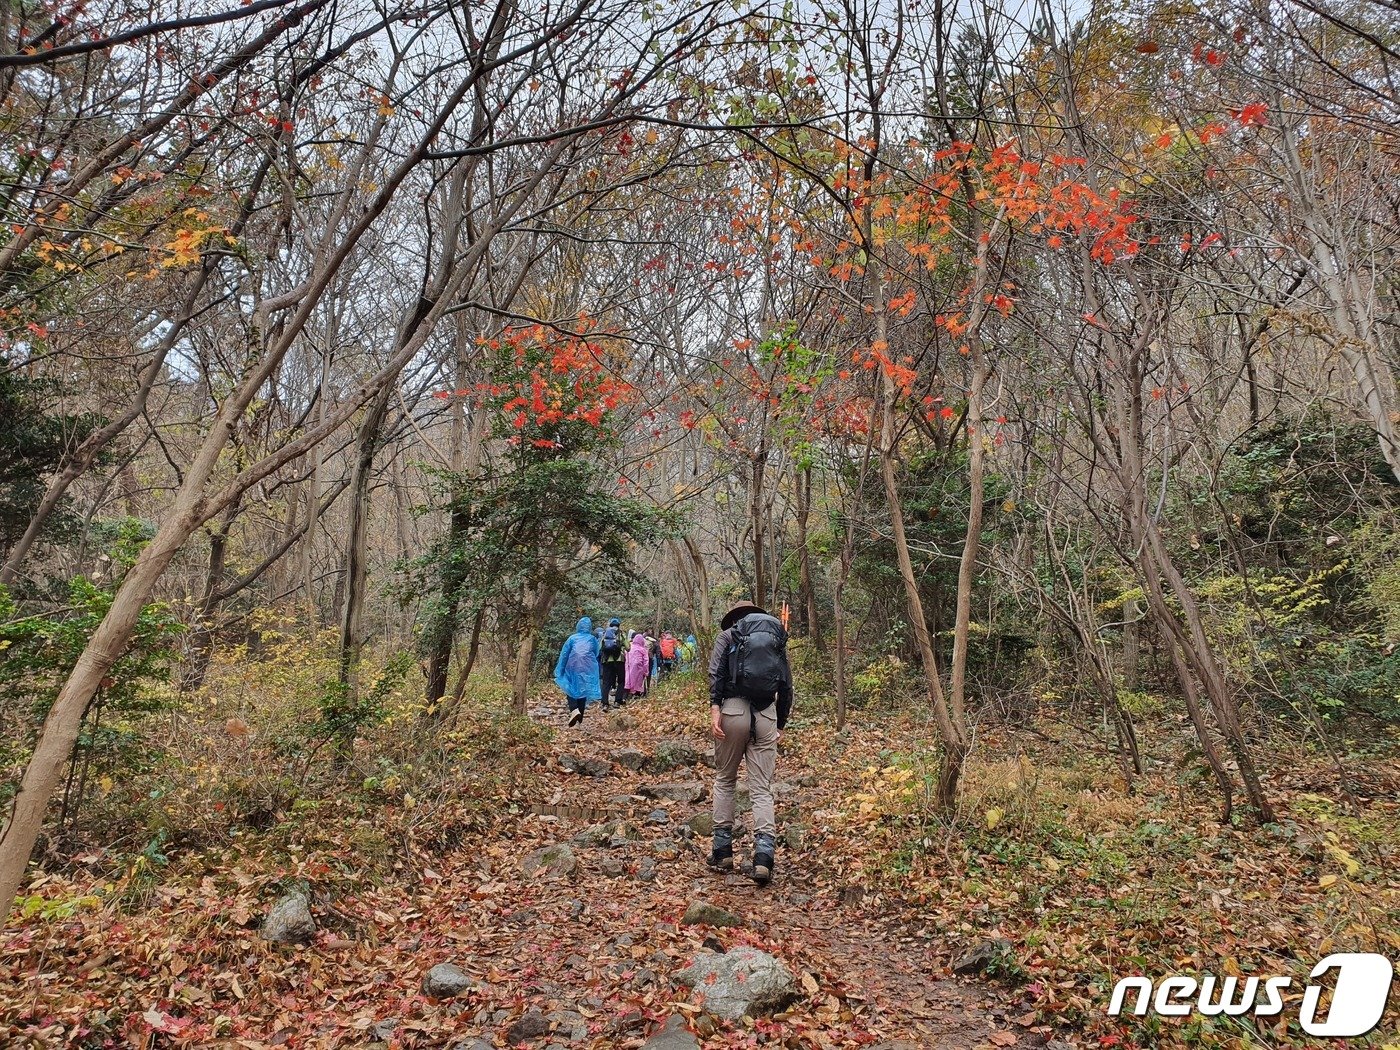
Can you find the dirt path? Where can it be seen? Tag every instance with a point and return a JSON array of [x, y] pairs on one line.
[[611, 924], [582, 952]]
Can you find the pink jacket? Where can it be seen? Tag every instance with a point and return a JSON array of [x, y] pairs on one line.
[[637, 660]]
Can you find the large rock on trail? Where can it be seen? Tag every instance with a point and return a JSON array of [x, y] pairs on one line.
[[741, 982], [290, 920], [703, 913], [981, 956], [589, 767], [445, 980], [629, 758], [673, 1037], [671, 754], [532, 1024], [559, 859], [679, 791]]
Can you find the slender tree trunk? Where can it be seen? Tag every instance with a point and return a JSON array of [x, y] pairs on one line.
[[202, 636], [354, 571], [451, 577], [758, 462], [838, 613], [536, 608], [809, 592]]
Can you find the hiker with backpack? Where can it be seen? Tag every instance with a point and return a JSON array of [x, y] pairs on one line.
[[612, 658], [666, 650], [577, 672], [636, 683], [750, 700]]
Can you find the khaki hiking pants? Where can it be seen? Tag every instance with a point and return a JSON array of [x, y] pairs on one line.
[[759, 752]]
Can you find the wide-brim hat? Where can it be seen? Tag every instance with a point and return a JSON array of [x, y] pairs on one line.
[[737, 612]]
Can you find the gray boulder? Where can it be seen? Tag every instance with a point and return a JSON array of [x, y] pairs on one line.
[[703, 913], [673, 753], [629, 758], [981, 956], [744, 982], [558, 858], [680, 791], [702, 824], [532, 1024], [384, 1030], [595, 767], [445, 980], [290, 921], [673, 1036]]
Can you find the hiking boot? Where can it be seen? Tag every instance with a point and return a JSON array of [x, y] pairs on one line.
[[722, 852], [575, 717], [762, 868], [721, 859]]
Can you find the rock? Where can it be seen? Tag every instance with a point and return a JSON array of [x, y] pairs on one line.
[[671, 754], [569, 1025], [596, 835], [568, 763], [384, 1030], [576, 909], [702, 824], [742, 982], [475, 1044], [532, 1024], [558, 858], [702, 913], [673, 1036], [290, 921], [445, 980], [658, 816], [981, 955], [792, 837], [629, 758], [708, 758], [681, 791], [595, 767], [611, 867], [646, 870], [621, 800], [806, 780]]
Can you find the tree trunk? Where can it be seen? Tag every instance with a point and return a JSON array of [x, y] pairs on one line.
[[452, 576], [838, 612], [202, 636], [536, 608], [758, 462], [354, 572], [809, 593]]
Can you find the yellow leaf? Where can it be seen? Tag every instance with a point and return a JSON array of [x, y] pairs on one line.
[[994, 816], [1326, 880]]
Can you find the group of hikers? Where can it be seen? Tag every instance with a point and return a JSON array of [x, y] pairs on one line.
[[750, 701], [611, 665]]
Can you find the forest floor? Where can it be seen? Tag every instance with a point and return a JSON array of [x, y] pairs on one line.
[[1055, 873]]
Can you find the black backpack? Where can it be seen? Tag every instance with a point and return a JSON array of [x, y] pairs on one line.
[[612, 645], [758, 665]]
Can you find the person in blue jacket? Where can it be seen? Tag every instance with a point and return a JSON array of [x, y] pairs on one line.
[[576, 672]]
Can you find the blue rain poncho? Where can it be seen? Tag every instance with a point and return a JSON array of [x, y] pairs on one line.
[[576, 672]]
